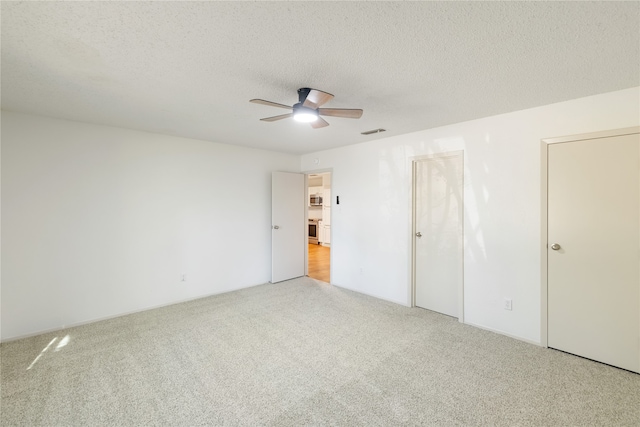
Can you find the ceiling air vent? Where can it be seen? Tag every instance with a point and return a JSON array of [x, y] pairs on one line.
[[370, 132]]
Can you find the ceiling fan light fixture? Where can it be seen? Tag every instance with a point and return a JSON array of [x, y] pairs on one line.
[[305, 117], [304, 114]]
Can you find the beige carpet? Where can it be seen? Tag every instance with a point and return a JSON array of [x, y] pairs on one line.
[[302, 353]]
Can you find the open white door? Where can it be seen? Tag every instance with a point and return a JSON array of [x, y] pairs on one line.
[[288, 232]]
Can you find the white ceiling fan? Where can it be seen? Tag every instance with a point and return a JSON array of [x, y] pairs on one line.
[[308, 110]]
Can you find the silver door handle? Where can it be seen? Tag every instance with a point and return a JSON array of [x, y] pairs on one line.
[[418, 234], [276, 227], [555, 246]]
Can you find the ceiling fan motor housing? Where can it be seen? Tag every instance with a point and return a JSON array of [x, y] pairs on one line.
[[303, 92]]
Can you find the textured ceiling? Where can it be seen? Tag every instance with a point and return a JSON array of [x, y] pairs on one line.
[[190, 68]]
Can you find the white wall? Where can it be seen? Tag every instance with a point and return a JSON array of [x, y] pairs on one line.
[[99, 221], [372, 224]]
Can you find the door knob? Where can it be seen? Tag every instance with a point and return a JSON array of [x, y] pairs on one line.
[[276, 227], [555, 246], [418, 234]]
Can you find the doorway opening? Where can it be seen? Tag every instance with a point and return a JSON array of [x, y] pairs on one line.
[[319, 227]]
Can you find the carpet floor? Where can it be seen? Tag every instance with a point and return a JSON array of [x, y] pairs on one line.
[[302, 352]]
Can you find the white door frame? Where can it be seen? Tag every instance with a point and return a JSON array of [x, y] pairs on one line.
[[544, 161], [412, 272]]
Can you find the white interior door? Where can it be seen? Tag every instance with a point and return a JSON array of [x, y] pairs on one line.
[[288, 231], [438, 248], [593, 241]]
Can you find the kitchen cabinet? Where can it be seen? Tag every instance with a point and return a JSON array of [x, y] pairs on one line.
[[326, 180], [320, 232], [326, 215], [326, 207], [317, 191], [326, 197], [326, 233], [326, 210]]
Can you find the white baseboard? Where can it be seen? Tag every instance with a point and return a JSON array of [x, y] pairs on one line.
[[403, 303], [126, 313], [72, 325], [497, 331]]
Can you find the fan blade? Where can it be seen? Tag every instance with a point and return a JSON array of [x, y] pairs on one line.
[[341, 112], [316, 98], [320, 123], [274, 118], [269, 103]]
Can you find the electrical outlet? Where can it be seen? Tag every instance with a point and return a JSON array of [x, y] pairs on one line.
[[183, 277], [508, 304]]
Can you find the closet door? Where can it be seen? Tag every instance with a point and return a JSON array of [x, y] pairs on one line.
[[438, 247], [593, 249]]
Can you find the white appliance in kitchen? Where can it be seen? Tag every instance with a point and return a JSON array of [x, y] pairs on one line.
[[325, 224]]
